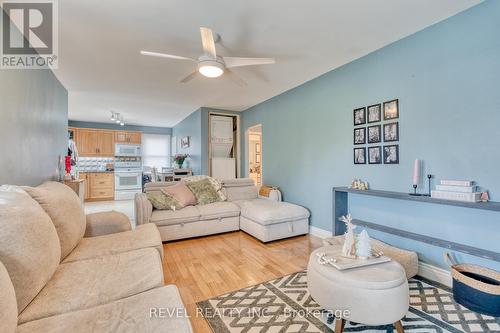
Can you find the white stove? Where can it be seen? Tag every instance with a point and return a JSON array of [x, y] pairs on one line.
[[128, 177]]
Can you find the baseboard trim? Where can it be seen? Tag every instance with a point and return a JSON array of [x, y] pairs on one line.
[[435, 273], [318, 232]]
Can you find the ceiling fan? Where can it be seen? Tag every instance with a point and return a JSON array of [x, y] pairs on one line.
[[212, 65]]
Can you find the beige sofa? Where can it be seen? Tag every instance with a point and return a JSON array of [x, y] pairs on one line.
[[266, 220], [63, 271]]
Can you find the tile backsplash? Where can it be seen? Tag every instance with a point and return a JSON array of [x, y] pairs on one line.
[[94, 163]]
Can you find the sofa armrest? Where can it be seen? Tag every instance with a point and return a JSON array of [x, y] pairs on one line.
[[143, 209], [104, 223]]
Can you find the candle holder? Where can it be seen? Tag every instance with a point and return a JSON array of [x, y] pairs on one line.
[[429, 177], [415, 191]]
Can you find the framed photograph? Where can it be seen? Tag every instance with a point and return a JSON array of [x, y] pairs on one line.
[[360, 136], [374, 113], [359, 116], [375, 155], [391, 154], [391, 132], [185, 142], [391, 109], [374, 134], [359, 155]]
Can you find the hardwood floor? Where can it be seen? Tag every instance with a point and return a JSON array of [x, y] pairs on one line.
[[210, 266]]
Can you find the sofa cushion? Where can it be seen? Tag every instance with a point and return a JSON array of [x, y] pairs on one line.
[[240, 189], [65, 210], [131, 314], [181, 193], [267, 212], [169, 217], [144, 236], [103, 223], [8, 303], [162, 201], [29, 247], [218, 210], [204, 192], [83, 284]]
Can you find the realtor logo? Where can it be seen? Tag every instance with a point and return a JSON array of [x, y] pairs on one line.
[[29, 34]]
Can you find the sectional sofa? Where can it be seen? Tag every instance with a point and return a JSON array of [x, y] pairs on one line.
[[265, 219], [63, 271]]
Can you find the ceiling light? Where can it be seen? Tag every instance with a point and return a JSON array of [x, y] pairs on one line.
[[112, 116], [210, 68]]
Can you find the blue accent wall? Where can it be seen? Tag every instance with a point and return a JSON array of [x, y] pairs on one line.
[[191, 126], [446, 79], [33, 126], [117, 127]]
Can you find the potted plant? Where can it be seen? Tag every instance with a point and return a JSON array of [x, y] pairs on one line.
[[179, 159]]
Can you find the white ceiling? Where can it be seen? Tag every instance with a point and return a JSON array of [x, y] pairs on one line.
[[100, 64]]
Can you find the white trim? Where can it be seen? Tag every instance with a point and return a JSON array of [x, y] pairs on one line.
[[318, 232], [434, 273]]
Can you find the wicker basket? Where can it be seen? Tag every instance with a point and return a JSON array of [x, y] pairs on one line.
[[475, 287]]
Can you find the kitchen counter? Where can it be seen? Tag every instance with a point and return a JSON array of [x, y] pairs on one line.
[[97, 171]]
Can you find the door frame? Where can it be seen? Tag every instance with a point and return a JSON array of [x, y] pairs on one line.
[[247, 152], [237, 143]]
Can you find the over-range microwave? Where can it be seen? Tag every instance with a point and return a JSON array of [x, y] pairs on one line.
[[123, 149]]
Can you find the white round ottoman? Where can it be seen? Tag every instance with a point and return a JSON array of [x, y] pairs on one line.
[[370, 295]]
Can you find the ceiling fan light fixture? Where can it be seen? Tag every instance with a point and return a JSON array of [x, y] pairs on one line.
[[210, 68]]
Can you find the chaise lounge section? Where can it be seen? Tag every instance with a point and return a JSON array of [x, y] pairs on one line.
[[264, 219], [53, 279]]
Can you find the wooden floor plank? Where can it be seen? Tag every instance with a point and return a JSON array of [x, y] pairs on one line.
[[210, 266]]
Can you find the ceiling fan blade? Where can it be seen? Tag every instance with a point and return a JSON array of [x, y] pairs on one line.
[[190, 77], [235, 78], [240, 61], [164, 55], [207, 39]]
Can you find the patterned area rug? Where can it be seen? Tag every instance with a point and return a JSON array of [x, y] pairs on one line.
[[284, 305]]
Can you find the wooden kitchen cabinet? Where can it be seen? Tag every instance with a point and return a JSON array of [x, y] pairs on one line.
[[92, 142], [127, 137], [99, 185], [106, 143]]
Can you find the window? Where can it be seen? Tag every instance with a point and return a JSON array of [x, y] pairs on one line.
[[156, 150]]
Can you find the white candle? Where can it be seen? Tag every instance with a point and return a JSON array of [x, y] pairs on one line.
[[416, 172]]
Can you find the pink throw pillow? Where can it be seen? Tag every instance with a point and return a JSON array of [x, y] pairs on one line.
[[181, 193]]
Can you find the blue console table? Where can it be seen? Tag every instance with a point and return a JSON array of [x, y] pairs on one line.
[[341, 207]]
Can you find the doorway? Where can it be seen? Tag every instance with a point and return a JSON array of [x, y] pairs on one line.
[[254, 139], [223, 156]]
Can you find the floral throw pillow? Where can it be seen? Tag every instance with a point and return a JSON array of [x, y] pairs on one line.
[[162, 201], [203, 191], [215, 183]]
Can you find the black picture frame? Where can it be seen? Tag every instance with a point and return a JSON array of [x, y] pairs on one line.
[[391, 132], [356, 139], [391, 109], [374, 113], [359, 116], [391, 154], [374, 134], [375, 155], [357, 159]]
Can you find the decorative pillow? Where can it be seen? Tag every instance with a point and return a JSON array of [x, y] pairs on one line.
[[65, 209], [204, 191], [181, 193], [162, 201], [215, 183]]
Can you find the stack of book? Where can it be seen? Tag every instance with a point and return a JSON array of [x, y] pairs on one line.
[[458, 190]]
